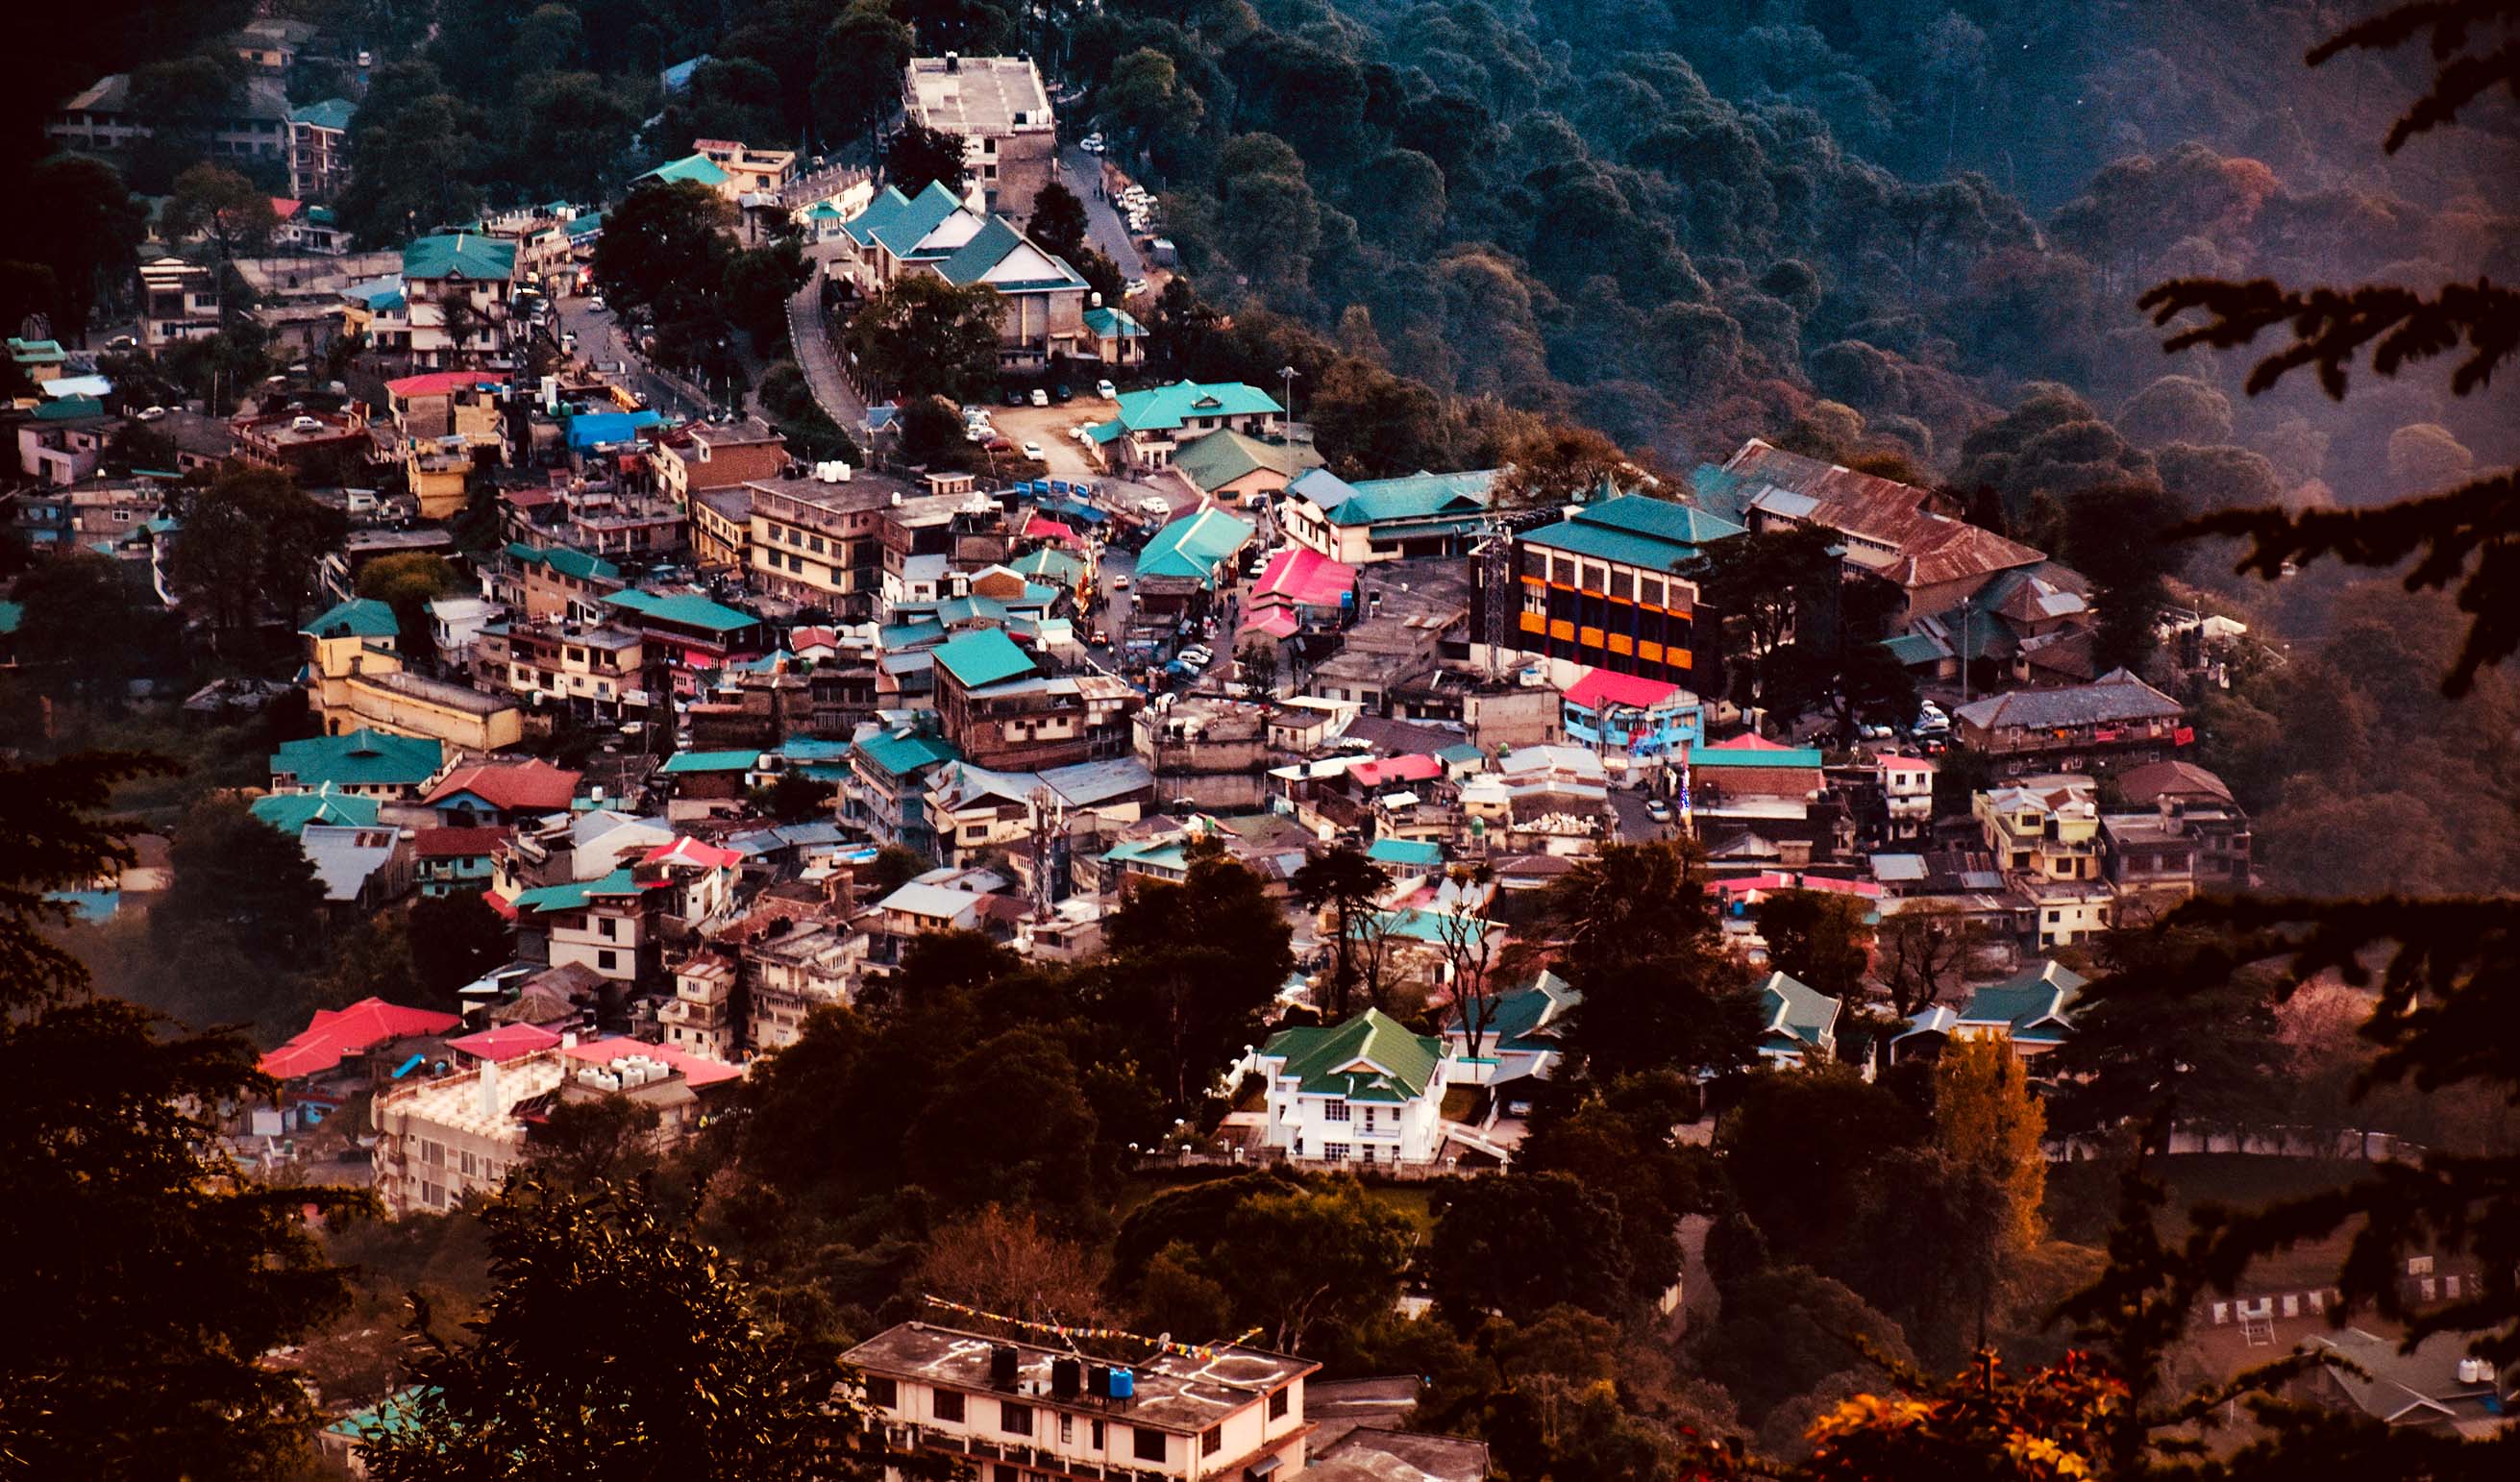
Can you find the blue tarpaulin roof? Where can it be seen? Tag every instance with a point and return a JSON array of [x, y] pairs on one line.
[[590, 429]]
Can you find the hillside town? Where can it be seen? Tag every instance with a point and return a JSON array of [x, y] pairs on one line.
[[901, 753]]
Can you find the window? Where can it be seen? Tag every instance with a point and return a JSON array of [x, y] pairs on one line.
[[1015, 1420], [1369, 1119], [1096, 1431], [1005, 1473], [1211, 1441], [1336, 1152], [949, 1404], [883, 1392], [607, 960], [1149, 1444], [2054, 917], [1279, 1402], [1066, 1427], [605, 925], [1335, 1111]]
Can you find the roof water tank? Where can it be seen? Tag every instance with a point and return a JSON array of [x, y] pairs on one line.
[[1124, 1384]]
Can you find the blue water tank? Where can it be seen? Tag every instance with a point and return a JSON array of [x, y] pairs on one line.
[[1124, 1384]]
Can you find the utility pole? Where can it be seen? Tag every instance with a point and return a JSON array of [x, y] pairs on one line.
[[1964, 643]]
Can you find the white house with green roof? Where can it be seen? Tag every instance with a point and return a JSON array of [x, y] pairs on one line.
[[455, 309], [1043, 308], [1386, 518], [364, 763], [1155, 423], [1364, 1094], [1798, 1022], [1233, 467]]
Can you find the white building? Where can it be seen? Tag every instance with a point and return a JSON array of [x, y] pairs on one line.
[[1367, 1093], [1021, 1410]]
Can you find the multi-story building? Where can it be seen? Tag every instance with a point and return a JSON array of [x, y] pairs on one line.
[[179, 300], [1364, 1094], [442, 1140], [444, 425], [356, 681], [319, 149], [1599, 590], [1042, 311], [828, 541], [708, 456], [795, 963], [1375, 520], [2046, 828], [317, 448], [2116, 718], [1001, 712], [688, 631], [1030, 1411], [1000, 110], [886, 793], [1907, 790], [700, 1017], [555, 582], [363, 763], [594, 672], [103, 118], [2199, 805], [455, 305], [1152, 425]]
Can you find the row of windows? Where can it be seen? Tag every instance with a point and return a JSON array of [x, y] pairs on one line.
[[1604, 579], [1016, 1419]]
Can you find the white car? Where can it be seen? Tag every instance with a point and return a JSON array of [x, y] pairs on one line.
[[1658, 810], [1091, 144], [1032, 450], [1119, 584], [1040, 397], [1134, 286], [1197, 658], [596, 303], [152, 413], [1107, 390]]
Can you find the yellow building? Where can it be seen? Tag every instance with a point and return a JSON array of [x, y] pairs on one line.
[[354, 681], [2045, 827]]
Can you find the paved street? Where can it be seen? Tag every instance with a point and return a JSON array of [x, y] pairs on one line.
[[1104, 226], [1636, 825], [809, 333], [599, 339]]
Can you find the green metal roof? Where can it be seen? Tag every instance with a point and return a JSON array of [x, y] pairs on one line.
[[359, 617], [1415, 924], [983, 657], [69, 409], [1794, 1008], [1415, 496], [37, 351], [1220, 458], [1194, 546], [2041, 993], [900, 222], [694, 168], [1635, 530], [290, 812], [1720, 757], [577, 893], [992, 245], [684, 763], [1913, 648], [331, 113], [459, 253], [902, 755], [688, 609], [1166, 408], [362, 758], [1661, 519], [1112, 324], [13, 616], [1412, 852], [568, 560], [1372, 1057], [1050, 562]]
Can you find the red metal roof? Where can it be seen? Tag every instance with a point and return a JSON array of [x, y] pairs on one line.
[[506, 1043], [691, 851], [1275, 621], [335, 1033], [457, 843], [697, 1071], [1600, 686], [1043, 527], [535, 785], [439, 383], [1301, 574]]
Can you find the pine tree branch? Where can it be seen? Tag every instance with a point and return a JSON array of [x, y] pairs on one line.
[[2462, 77], [2331, 327]]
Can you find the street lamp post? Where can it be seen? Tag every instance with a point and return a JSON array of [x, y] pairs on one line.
[[1286, 374]]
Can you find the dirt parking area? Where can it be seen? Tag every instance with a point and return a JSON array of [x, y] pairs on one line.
[[1053, 427]]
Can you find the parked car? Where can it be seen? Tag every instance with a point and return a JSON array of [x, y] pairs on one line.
[[1032, 450], [1119, 584], [1107, 390], [1060, 392], [596, 303], [152, 413], [1040, 397], [1015, 398], [122, 343], [1133, 288], [1658, 810], [1091, 144]]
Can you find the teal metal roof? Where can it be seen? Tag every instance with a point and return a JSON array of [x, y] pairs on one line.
[[1793, 1008], [362, 758], [1755, 756], [577, 894], [1112, 324], [1372, 1057], [689, 609], [901, 755], [459, 254], [1410, 497], [1416, 853], [694, 167], [290, 812], [993, 244], [1913, 648], [1635, 530], [69, 409], [13, 616], [568, 560], [899, 223], [359, 617], [2041, 995], [1194, 546], [983, 657], [685, 763], [1166, 408], [331, 113], [1661, 519]]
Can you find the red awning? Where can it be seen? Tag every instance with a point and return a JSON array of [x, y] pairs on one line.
[[1602, 687]]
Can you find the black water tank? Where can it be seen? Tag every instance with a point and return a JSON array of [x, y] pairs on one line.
[[1097, 1381], [1067, 1377], [1002, 1366]]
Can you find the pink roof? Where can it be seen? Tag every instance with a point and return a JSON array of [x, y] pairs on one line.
[[691, 851], [284, 208], [1770, 883], [1277, 622], [506, 1043], [1602, 687], [813, 638], [1894, 763], [1750, 741], [335, 1033], [439, 383], [531, 784], [695, 1069], [1043, 527], [1304, 575], [1416, 767]]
